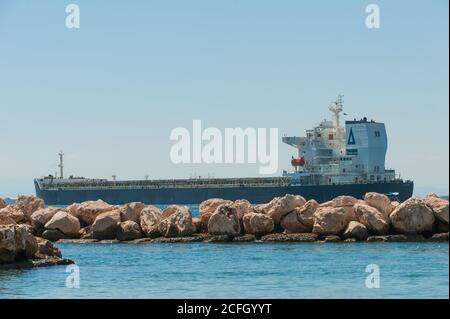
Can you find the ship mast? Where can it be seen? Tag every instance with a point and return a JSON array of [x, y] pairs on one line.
[[336, 108], [61, 165]]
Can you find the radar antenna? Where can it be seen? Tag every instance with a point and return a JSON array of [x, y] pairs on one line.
[[336, 108]]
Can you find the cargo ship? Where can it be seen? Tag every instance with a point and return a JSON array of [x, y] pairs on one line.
[[331, 161]]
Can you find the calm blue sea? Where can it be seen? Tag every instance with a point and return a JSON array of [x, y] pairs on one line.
[[201, 270]]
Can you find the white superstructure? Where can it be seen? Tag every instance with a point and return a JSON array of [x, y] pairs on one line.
[[330, 154]]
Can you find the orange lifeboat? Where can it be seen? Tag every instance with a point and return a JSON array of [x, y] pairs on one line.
[[299, 161]]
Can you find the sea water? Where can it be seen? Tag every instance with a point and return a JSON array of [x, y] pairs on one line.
[[239, 270]]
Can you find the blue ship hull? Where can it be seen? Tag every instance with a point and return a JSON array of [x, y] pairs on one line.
[[256, 195]]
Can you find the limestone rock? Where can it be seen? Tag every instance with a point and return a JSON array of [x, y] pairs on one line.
[[243, 207], [208, 207], [46, 249], [2, 203], [149, 220], [379, 201], [16, 244], [128, 230], [105, 225], [257, 224], [413, 216], [29, 204], [6, 220], [306, 237], [355, 230], [53, 235], [281, 206], [176, 221], [131, 211], [64, 222], [14, 213], [41, 217], [301, 219], [330, 220], [88, 211], [374, 220], [439, 207], [224, 221]]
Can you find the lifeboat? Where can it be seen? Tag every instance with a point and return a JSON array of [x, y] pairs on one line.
[[299, 161]]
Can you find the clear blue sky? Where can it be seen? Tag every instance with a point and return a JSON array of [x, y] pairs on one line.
[[109, 93]]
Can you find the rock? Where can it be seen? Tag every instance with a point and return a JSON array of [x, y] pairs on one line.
[[37, 263], [224, 221], [128, 230], [379, 201], [344, 201], [326, 204], [243, 207], [197, 222], [374, 220], [257, 224], [14, 213], [330, 220], [439, 207], [441, 227], [218, 239], [176, 221], [2, 203], [301, 219], [29, 204], [396, 238], [208, 207], [412, 216], [131, 211], [87, 212], [46, 249], [149, 220], [332, 239], [16, 244], [174, 240], [41, 217], [53, 235], [6, 220], [86, 233], [105, 225], [441, 237], [306, 237], [355, 230], [245, 238], [64, 222], [281, 206]]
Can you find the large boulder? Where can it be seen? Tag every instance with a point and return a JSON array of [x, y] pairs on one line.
[[6, 220], [281, 206], [330, 220], [224, 221], [149, 220], [128, 230], [14, 213], [301, 219], [41, 217], [105, 225], [2, 203], [412, 216], [346, 202], [46, 249], [208, 207], [176, 221], [16, 244], [376, 222], [355, 230], [87, 212], [257, 224], [243, 207], [439, 207], [68, 224], [131, 211], [29, 204], [380, 202]]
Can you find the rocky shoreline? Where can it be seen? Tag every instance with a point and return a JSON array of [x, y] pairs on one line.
[[27, 228]]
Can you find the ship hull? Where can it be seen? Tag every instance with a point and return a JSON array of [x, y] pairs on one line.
[[256, 195]]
